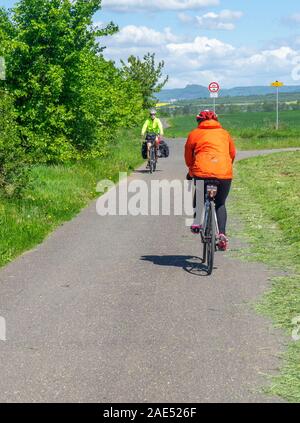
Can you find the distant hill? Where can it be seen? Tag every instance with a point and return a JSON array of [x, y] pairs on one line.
[[193, 92]]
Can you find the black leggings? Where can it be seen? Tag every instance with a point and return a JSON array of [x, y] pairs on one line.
[[224, 186]]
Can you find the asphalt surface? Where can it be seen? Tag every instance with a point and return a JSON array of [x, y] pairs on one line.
[[112, 309]]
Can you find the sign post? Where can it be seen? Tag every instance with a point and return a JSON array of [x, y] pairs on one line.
[[214, 89], [277, 84], [214, 96]]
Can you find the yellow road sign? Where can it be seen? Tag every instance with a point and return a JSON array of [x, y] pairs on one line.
[[277, 84]]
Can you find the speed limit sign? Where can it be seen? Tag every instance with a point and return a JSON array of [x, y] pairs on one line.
[[214, 87]]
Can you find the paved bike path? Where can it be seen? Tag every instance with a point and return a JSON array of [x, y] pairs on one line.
[[112, 309]]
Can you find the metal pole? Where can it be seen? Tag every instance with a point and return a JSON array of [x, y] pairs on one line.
[[277, 109], [214, 104]]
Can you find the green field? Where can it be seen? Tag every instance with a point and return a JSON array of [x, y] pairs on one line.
[[269, 208], [252, 131], [249, 99], [58, 193]]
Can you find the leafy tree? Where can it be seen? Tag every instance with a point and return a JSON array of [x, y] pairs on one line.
[[146, 74], [105, 102], [55, 38], [69, 100]]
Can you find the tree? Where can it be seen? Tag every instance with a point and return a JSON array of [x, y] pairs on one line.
[[53, 39], [69, 100], [105, 102], [146, 74]]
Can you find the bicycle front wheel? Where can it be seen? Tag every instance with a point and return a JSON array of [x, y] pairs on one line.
[[152, 160], [150, 167], [154, 165]]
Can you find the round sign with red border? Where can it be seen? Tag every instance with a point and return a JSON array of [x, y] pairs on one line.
[[214, 87]]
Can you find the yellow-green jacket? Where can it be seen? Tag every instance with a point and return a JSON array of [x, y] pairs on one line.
[[154, 126]]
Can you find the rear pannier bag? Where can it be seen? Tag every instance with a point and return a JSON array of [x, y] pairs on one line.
[[164, 149]]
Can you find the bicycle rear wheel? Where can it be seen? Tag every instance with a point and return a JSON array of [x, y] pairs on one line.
[[211, 237]]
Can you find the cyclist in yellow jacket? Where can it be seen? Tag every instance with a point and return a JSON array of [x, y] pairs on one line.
[[153, 125]]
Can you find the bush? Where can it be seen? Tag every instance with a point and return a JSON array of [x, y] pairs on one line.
[[14, 169]]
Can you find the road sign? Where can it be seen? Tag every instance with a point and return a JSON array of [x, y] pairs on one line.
[[214, 87], [277, 84]]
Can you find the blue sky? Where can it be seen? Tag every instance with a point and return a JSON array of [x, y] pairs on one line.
[[237, 42]]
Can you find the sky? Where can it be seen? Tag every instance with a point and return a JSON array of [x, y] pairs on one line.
[[234, 42]]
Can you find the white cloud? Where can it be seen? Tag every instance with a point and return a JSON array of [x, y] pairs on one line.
[[143, 36], [229, 15], [212, 21], [278, 58], [199, 46], [202, 59], [129, 5]]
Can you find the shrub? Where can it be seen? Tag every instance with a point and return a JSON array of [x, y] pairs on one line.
[[14, 169]]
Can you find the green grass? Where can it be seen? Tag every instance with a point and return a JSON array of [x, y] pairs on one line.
[[58, 193], [266, 199], [252, 131]]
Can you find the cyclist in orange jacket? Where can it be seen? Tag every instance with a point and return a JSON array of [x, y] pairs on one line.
[[209, 155]]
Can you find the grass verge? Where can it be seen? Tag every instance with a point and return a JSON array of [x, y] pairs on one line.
[[58, 193], [266, 199], [251, 131]]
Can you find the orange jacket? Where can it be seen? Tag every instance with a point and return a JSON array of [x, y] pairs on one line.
[[210, 151]]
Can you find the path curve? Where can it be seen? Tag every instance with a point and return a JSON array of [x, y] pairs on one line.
[[255, 153]]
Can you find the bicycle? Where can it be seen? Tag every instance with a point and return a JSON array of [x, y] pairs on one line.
[[209, 228], [151, 138]]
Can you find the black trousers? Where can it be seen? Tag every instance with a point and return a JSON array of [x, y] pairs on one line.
[[224, 186]]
